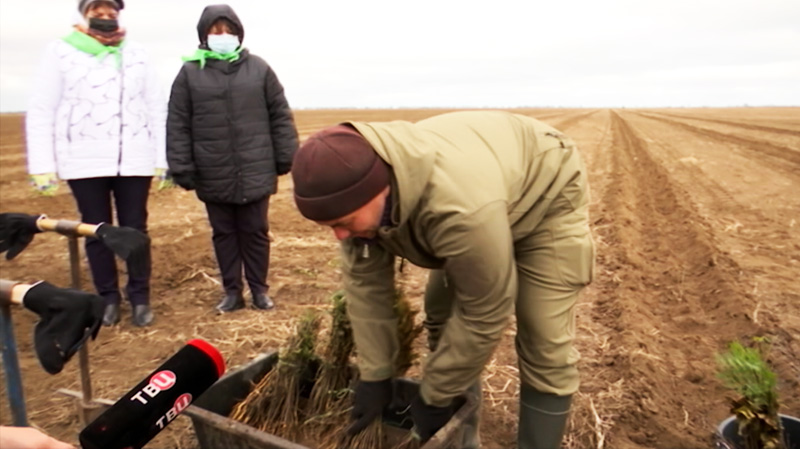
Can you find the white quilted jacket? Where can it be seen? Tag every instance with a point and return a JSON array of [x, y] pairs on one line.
[[88, 118]]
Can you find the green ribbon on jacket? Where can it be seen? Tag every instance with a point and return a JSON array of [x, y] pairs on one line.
[[201, 55], [88, 44]]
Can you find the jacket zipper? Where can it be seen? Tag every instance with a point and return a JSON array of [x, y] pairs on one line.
[[69, 123], [121, 102], [365, 255], [239, 186]]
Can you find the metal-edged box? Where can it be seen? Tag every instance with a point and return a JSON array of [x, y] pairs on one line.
[[215, 430]]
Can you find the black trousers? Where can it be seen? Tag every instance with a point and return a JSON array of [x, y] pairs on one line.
[[240, 238], [94, 196]]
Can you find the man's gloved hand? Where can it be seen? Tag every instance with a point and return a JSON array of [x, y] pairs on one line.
[[428, 419], [67, 318], [16, 232], [46, 183], [369, 400], [130, 244], [164, 179], [185, 180]]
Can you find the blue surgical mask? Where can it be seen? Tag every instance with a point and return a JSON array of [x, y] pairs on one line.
[[223, 43]]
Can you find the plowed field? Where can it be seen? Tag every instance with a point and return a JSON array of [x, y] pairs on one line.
[[696, 215]]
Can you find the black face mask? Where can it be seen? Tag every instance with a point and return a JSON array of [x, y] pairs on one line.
[[104, 25]]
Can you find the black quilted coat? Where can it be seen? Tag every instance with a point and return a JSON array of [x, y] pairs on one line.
[[230, 131]]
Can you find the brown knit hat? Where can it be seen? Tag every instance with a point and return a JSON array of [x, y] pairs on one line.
[[84, 5], [335, 172]]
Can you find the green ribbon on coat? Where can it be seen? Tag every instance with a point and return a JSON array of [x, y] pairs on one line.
[[201, 55], [88, 44]]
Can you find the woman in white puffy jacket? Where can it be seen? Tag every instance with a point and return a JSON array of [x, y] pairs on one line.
[[97, 119]]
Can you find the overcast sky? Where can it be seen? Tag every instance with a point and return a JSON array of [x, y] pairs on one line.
[[463, 53]]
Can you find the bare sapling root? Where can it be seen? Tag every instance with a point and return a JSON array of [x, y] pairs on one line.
[[274, 405]]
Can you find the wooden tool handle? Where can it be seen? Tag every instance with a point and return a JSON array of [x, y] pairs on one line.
[[67, 227], [12, 292]]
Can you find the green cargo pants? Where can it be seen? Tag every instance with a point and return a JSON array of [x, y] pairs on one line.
[[555, 261]]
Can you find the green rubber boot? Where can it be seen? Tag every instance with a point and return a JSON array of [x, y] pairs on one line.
[[471, 438], [542, 419]]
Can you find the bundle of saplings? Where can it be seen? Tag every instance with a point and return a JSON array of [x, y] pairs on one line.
[[274, 404], [374, 436], [330, 401], [407, 331]]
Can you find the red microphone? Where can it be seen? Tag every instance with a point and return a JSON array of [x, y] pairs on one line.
[[150, 406]]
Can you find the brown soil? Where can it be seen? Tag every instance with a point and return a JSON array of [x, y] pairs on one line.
[[695, 214]]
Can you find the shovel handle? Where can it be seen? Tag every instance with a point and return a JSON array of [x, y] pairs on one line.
[[12, 292], [67, 227]]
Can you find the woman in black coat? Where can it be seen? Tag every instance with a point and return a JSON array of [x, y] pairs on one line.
[[230, 134]]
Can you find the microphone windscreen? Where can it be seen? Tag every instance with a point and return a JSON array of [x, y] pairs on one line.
[[157, 400]]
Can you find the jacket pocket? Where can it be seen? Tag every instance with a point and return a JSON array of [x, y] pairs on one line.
[[574, 258]]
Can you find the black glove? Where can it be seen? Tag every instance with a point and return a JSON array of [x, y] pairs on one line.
[[16, 232], [185, 180], [67, 318], [428, 419], [130, 244], [370, 398], [283, 169]]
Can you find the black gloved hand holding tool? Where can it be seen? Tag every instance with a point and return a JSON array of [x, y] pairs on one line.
[[67, 318], [130, 244], [428, 419], [370, 398], [16, 232]]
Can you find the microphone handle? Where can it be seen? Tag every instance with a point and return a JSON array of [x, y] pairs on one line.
[[147, 409]]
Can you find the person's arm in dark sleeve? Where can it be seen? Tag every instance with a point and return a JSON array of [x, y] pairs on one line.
[[282, 127], [179, 132]]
